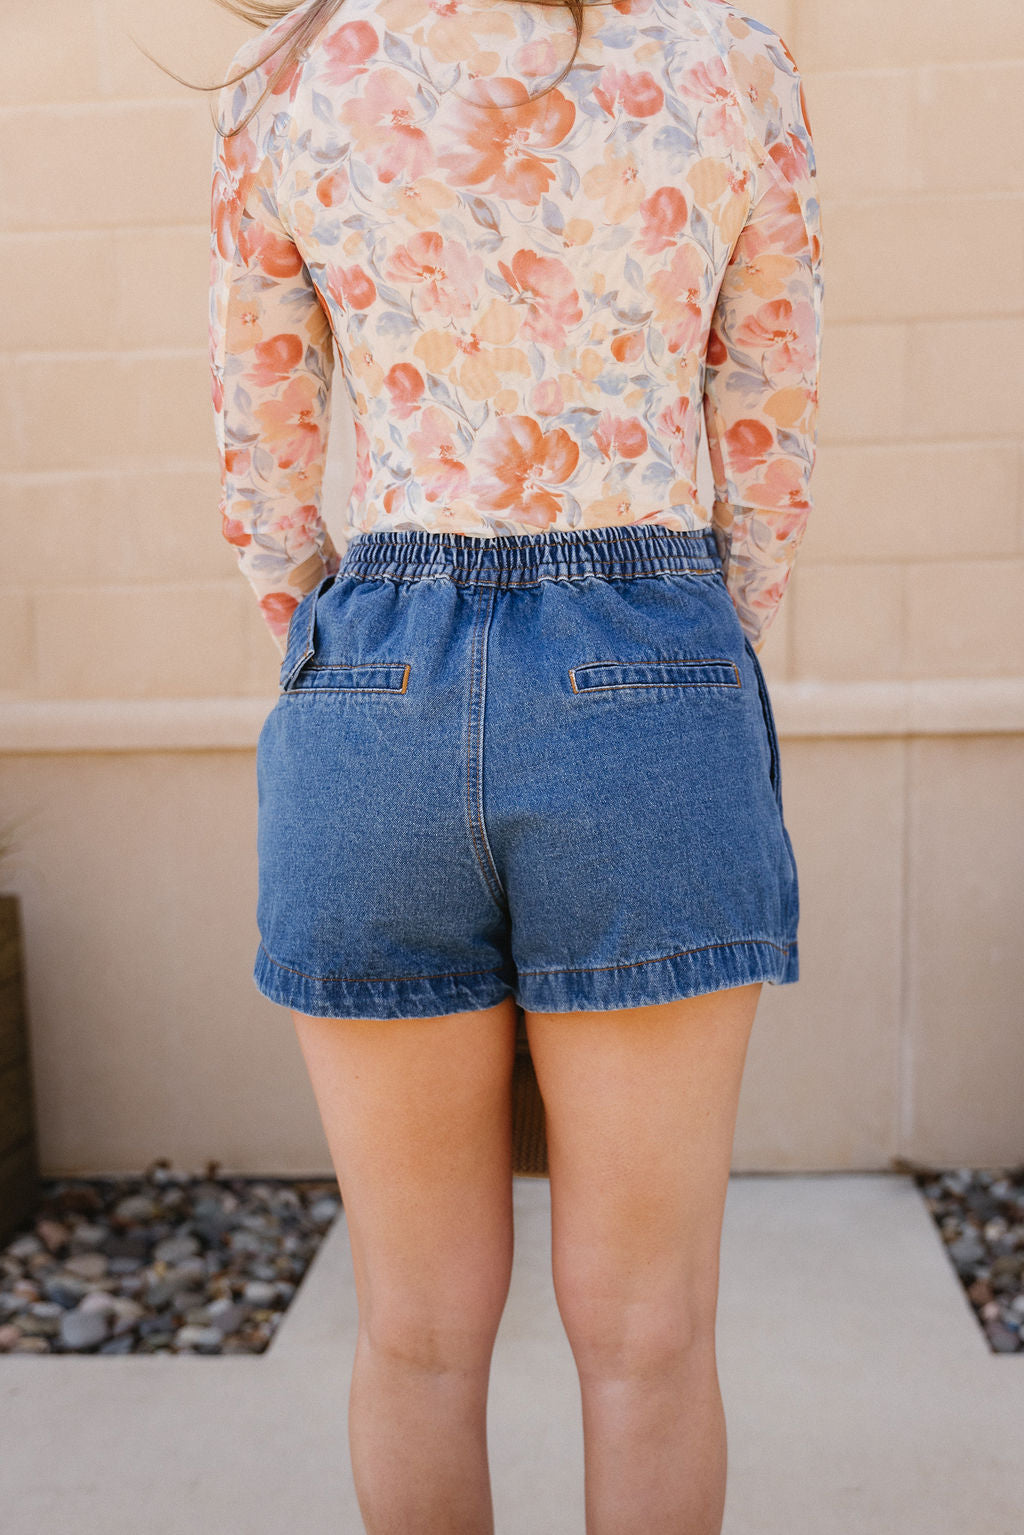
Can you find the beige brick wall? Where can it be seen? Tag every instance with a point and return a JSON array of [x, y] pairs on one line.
[[913, 563], [116, 581], [116, 585]]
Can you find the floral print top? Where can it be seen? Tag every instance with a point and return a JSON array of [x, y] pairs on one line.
[[533, 299]]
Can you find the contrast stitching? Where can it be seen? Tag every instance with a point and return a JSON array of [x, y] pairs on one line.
[[448, 975], [477, 834], [582, 666], [360, 687], [672, 682], [497, 969], [415, 574], [296, 668], [668, 682], [299, 692], [352, 666], [310, 650], [771, 729], [783, 948]]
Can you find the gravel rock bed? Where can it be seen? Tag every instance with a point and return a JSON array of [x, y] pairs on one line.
[[163, 1263], [168, 1263], [980, 1216]]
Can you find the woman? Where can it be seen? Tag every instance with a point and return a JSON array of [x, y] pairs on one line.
[[523, 750]]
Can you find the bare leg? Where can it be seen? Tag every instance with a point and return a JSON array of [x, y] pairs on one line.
[[417, 1114], [641, 1108]]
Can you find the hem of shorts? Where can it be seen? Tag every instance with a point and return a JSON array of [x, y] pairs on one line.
[[414, 996], [687, 973], [601, 988]]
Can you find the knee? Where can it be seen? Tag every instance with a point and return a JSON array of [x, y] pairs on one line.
[[619, 1332], [435, 1333], [428, 1343]]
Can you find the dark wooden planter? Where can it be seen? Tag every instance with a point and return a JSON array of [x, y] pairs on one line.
[[529, 1141], [19, 1161]]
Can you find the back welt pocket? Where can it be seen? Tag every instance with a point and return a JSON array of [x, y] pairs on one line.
[[362, 677], [594, 675]]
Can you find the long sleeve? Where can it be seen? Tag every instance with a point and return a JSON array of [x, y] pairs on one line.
[[272, 360], [763, 364]]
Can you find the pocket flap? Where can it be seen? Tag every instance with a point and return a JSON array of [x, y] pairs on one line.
[[361, 676], [686, 672], [301, 643]]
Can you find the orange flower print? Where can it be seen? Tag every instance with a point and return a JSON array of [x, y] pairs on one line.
[[722, 193], [498, 149], [677, 291], [478, 359], [289, 423], [788, 226], [276, 360], [332, 189], [621, 435], [420, 202], [435, 463], [412, 13], [616, 184], [277, 608], [520, 463], [537, 58], [232, 182], [547, 398], [350, 287], [445, 273], [348, 49], [610, 511], [538, 302], [665, 215], [299, 521], [628, 347], [553, 302], [711, 87], [233, 528], [676, 426], [289, 80], [363, 470], [756, 78], [747, 443], [274, 254], [363, 365], [302, 485], [781, 486], [404, 384], [236, 461], [783, 330], [381, 120], [449, 30], [639, 95], [243, 328]]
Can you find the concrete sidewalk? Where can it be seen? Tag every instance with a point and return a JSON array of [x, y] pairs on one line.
[[860, 1393]]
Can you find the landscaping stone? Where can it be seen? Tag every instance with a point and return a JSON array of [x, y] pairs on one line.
[[980, 1216], [160, 1263]]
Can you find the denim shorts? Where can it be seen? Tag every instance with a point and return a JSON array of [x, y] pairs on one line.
[[540, 765]]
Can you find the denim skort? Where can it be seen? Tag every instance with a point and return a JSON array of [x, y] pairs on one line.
[[543, 765]]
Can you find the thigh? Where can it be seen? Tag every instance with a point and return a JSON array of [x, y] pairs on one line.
[[640, 1107], [417, 1115]]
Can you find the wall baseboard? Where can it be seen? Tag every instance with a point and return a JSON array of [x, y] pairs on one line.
[[803, 710]]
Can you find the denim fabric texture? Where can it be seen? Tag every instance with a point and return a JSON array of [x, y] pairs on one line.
[[543, 765]]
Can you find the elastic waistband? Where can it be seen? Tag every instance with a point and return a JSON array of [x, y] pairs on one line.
[[520, 559]]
